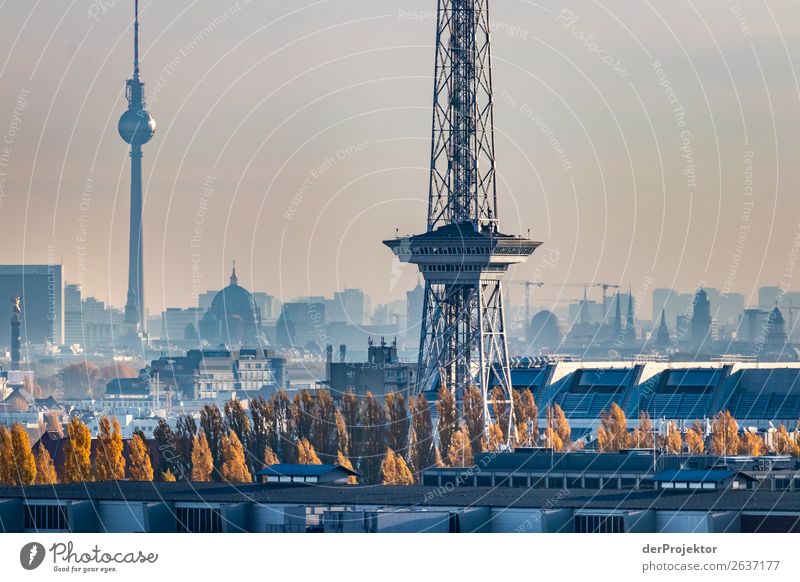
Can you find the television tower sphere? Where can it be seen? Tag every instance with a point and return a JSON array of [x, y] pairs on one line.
[[136, 127]]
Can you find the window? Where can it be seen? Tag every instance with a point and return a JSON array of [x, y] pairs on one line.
[[599, 524], [198, 520], [46, 517]]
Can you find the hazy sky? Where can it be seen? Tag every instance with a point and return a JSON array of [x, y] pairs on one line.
[[646, 143]]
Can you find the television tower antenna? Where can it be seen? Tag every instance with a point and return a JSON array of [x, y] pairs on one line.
[[463, 255]]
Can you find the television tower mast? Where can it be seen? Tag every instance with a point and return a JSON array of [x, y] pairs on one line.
[[136, 126], [463, 255]]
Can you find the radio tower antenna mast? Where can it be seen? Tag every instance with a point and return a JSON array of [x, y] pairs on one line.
[[463, 255], [136, 127]]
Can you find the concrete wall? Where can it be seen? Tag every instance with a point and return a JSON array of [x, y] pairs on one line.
[[683, 522], [83, 516]]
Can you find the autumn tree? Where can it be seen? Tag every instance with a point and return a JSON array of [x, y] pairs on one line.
[[350, 411], [303, 414], [168, 476], [77, 453], [342, 433], [783, 443], [397, 421], [213, 426], [109, 462], [185, 432], [234, 466], [372, 423], [447, 419], [324, 431], [284, 427], [202, 460], [671, 443], [24, 462], [695, 442], [554, 441], [139, 467], [262, 416], [7, 471], [501, 411], [612, 434], [45, 470], [558, 431], [238, 421], [561, 425], [473, 416], [460, 452], [495, 437], [526, 416], [394, 470], [79, 379], [752, 444], [724, 434], [642, 437], [306, 454], [421, 450], [270, 458], [171, 456]]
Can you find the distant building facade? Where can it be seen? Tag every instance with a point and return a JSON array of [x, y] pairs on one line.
[[41, 289]]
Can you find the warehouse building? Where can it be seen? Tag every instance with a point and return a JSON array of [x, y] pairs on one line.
[[129, 506]]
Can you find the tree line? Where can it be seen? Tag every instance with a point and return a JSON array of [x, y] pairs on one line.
[[389, 442], [724, 439]]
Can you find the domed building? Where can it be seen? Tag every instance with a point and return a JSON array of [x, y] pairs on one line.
[[545, 330], [234, 318]]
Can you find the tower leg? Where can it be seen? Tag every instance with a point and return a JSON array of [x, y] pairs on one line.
[[463, 343]]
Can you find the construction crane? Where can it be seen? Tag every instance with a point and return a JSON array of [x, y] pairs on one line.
[[604, 286], [528, 286]]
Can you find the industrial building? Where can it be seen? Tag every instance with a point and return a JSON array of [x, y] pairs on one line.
[[131, 506], [635, 469], [756, 394]]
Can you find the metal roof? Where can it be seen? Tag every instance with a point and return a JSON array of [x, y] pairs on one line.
[[412, 496], [292, 470]]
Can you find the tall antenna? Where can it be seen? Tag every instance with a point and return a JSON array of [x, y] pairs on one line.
[[136, 40], [463, 255]]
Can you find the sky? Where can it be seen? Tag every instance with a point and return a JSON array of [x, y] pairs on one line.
[[645, 143]]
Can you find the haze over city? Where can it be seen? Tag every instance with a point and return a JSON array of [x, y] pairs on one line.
[[647, 144]]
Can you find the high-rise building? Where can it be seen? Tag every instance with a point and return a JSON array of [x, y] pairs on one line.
[[181, 325], [415, 299], [41, 291], [347, 307], [73, 318], [701, 318]]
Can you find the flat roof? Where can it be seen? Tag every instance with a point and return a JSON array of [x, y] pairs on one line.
[[415, 496]]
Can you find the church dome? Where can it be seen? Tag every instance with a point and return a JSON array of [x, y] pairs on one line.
[[235, 302]]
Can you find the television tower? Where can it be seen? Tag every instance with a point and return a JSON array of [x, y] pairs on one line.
[[463, 255], [136, 127]]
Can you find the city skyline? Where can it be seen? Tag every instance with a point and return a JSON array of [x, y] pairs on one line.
[[287, 175]]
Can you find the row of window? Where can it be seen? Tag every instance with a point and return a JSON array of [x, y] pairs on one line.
[[536, 482], [46, 518], [450, 250], [461, 267], [599, 524], [198, 520]]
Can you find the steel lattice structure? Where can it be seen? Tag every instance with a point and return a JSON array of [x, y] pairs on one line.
[[463, 256]]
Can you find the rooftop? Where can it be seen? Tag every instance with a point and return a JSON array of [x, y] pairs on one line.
[[412, 496]]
